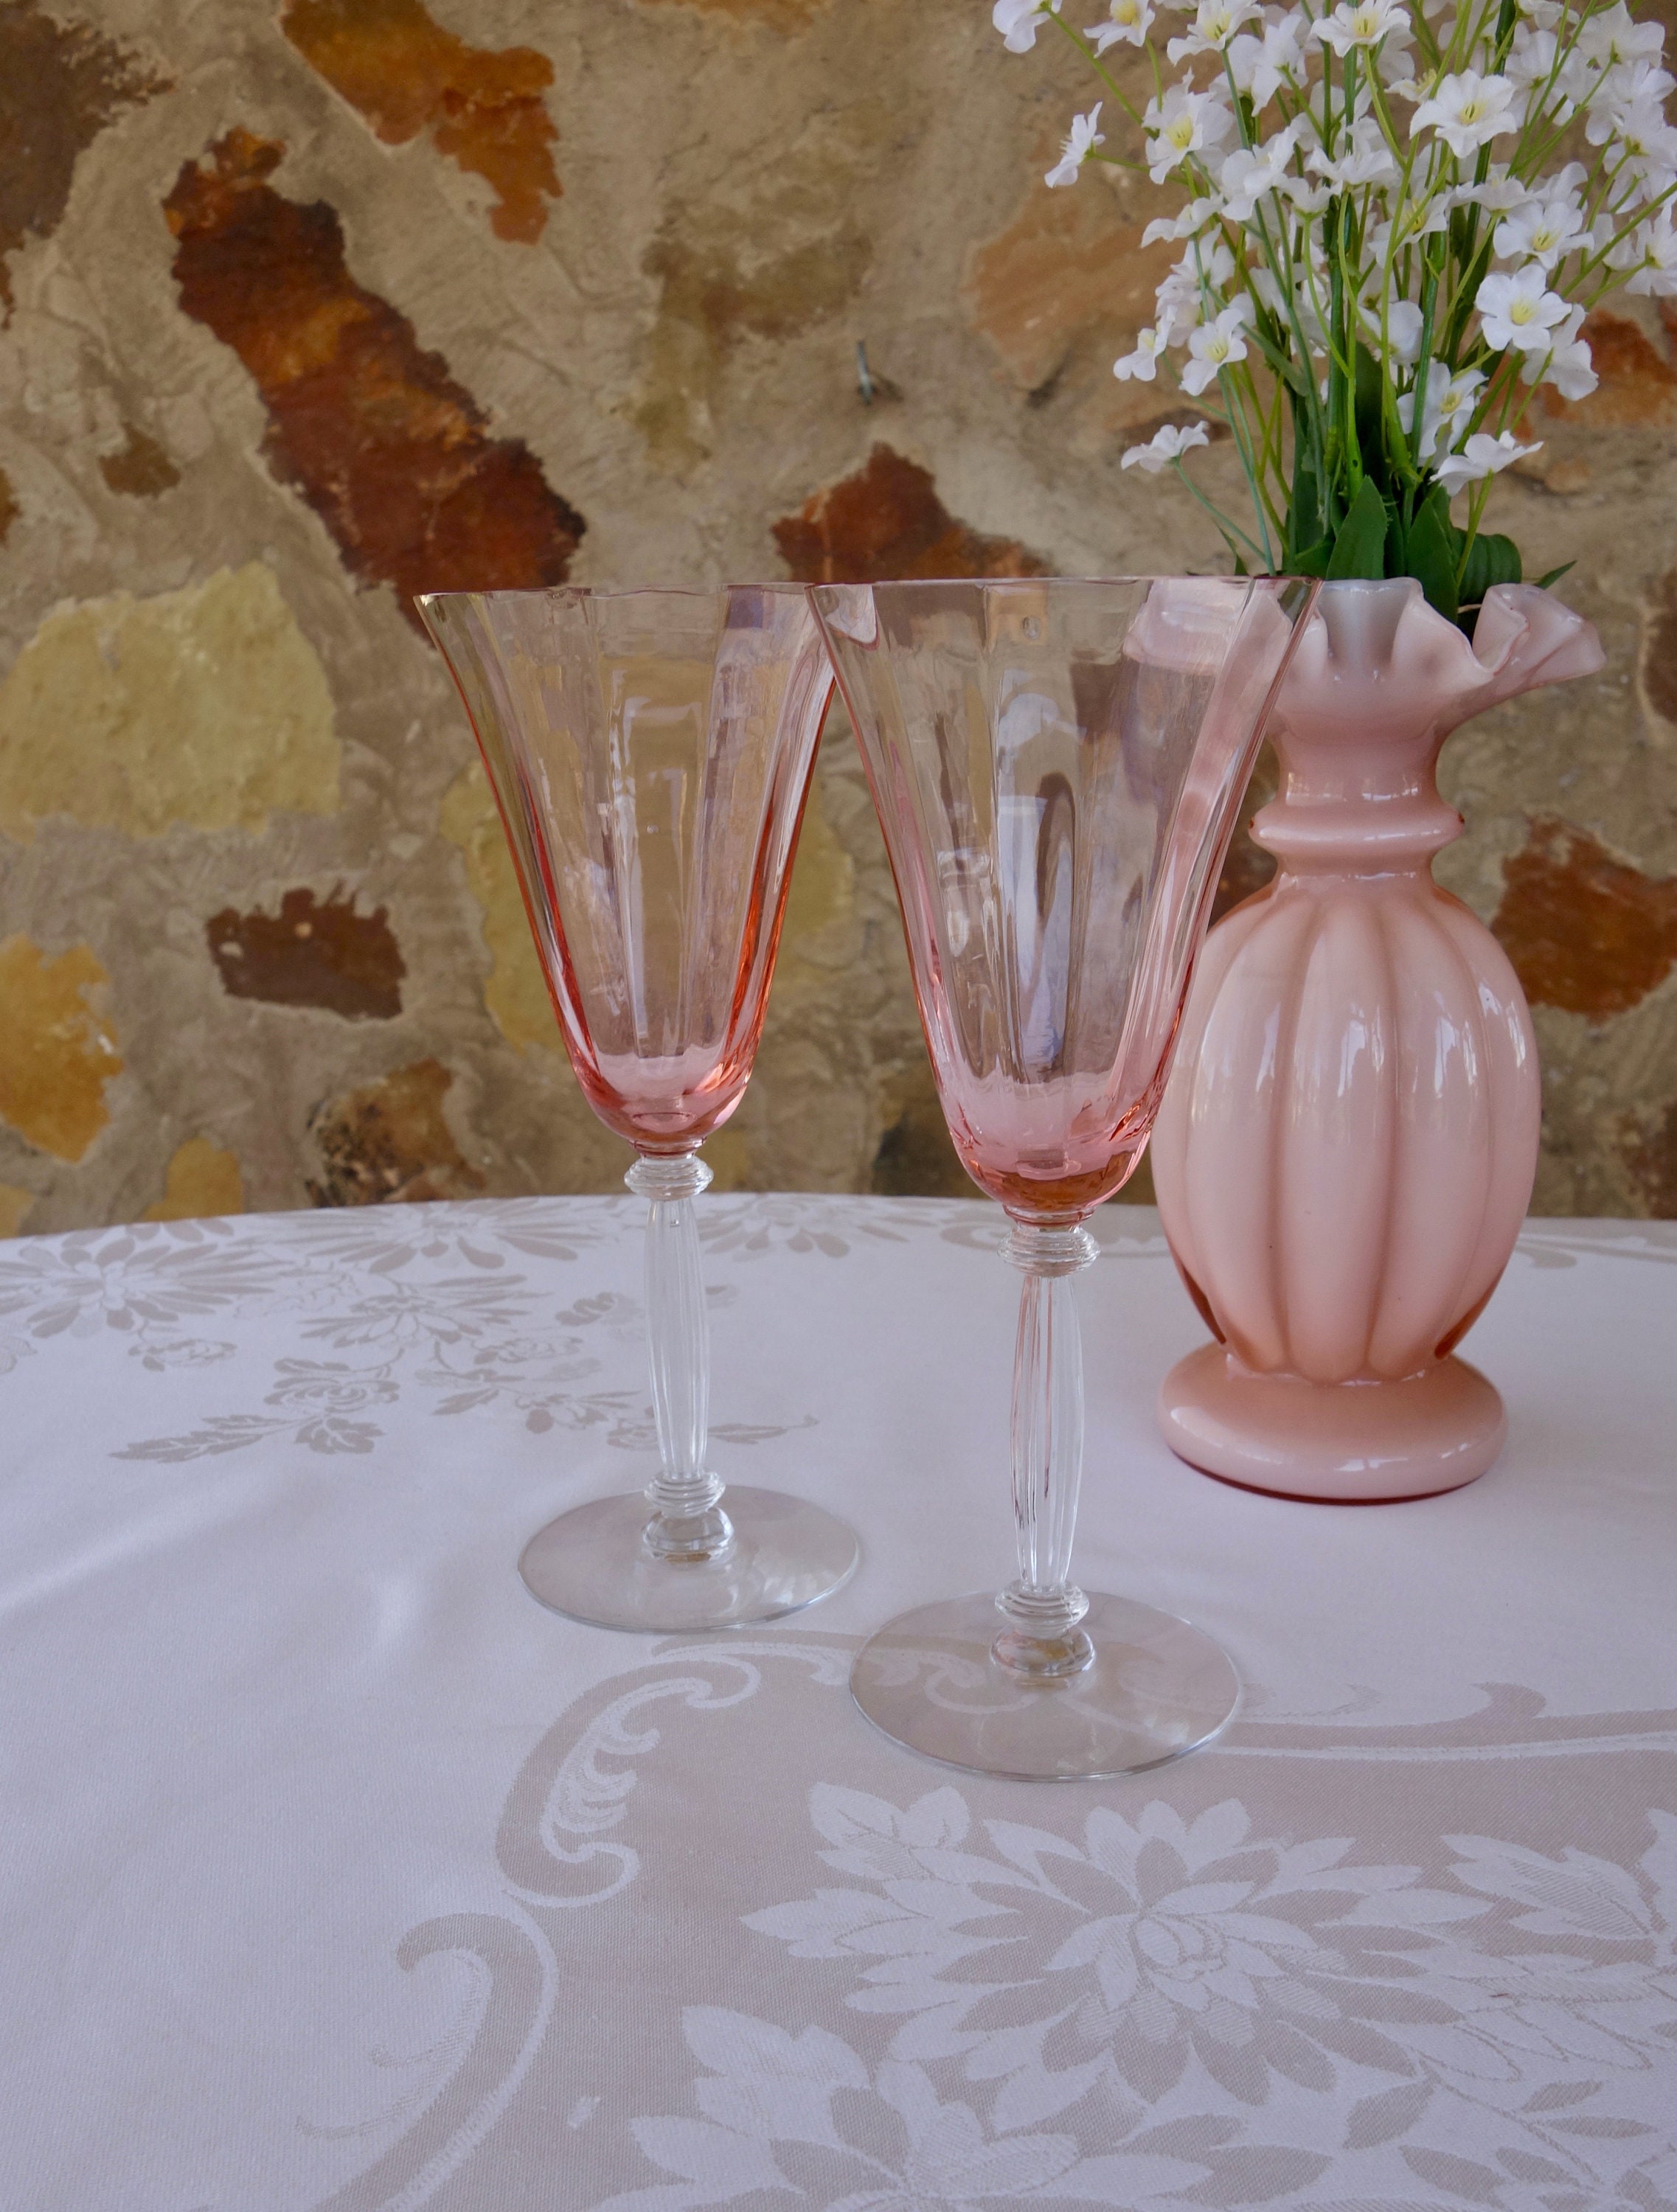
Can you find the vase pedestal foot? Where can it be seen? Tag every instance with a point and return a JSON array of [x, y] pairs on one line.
[[1346, 1443]]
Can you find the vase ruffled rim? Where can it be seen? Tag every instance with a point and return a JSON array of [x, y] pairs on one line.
[[1377, 648]]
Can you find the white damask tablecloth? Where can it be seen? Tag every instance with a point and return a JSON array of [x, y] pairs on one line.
[[335, 1872]]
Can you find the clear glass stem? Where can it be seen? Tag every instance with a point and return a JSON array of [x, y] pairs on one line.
[[1042, 1640], [687, 1525]]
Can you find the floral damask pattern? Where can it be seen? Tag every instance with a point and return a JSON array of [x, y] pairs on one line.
[[1198, 1942], [1134, 2001], [1350, 1959], [437, 1293], [1144, 1997], [434, 1298], [774, 2118]]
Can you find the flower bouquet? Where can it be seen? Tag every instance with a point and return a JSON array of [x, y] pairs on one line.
[[1397, 215]]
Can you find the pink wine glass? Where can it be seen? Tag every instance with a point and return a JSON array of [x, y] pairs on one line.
[[1057, 767], [651, 753]]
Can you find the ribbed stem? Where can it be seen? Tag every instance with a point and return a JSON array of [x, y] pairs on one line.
[[1042, 1640], [687, 1525]]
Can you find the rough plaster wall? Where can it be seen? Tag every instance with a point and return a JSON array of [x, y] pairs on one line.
[[307, 304]]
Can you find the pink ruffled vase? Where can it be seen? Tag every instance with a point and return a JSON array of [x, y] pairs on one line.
[[1347, 1141]]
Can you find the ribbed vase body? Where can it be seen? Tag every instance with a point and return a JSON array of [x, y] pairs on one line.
[[1347, 1145]]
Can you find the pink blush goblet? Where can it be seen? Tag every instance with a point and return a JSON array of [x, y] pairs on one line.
[[651, 754], [1057, 766]]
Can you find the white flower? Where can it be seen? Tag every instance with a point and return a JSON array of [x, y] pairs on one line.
[[1519, 310], [1184, 121], [1499, 192], [1640, 130], [1302, 307], [1568, 365], [1610, 36], [1262, 66], [1467, 111], [1176, 305], [1362, 23], [1166, 446], [1482, 456], [1402, 337], [1248, 176], [1189, 223], [1264, 284], [1656, 246], [1215, 22], [1450, 401], [1309, 198], [1215, 346], [1217, 266], [1019, 21], [1129, 20], [1531, 59], [1630, 103], [1080, 140], [1545, 230], [1626, 83], [1366, 161], [1144, 361]]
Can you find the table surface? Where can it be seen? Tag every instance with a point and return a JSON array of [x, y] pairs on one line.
[[334, 1872]]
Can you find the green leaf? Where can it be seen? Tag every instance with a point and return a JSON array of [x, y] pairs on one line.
[[1360, 548], [1313, 559], [1305, 515], [1433, 551], [1395, 539], [1555, 576], [1491, 560], [1369, 402]]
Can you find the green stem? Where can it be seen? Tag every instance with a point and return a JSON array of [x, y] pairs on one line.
[[1230, 530], [1100, 69]]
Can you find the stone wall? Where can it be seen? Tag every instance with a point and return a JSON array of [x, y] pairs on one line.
[[309, 303]]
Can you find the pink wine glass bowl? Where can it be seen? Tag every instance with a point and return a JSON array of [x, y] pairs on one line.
[[651, 754], [1057, 765]]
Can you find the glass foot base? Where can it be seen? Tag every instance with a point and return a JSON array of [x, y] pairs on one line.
[[1157, 1687], [591, 1565]]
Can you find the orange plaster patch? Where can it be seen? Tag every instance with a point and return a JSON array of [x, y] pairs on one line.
[[57, 1050], [404, 74], [1065, 265], [887, 521], [387, 448], [388, 1141], [203, 1180], [1638, 384], [313, 952], [1586, 931]]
